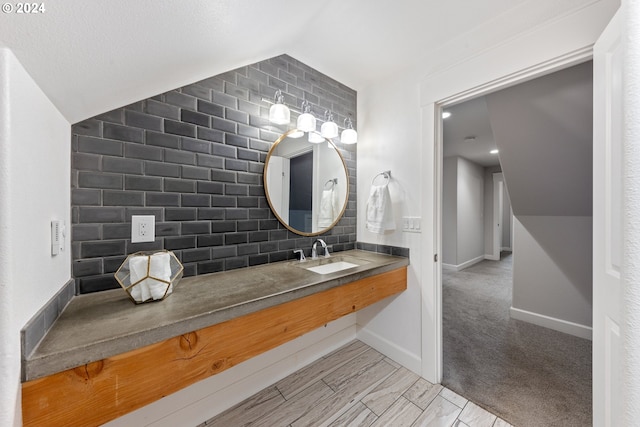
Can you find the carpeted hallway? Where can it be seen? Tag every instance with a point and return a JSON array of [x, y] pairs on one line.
[[526, 374]]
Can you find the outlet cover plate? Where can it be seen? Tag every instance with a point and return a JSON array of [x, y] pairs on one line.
[[143, 228]]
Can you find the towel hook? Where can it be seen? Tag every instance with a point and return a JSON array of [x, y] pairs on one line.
[[385, 174], [333, 183]]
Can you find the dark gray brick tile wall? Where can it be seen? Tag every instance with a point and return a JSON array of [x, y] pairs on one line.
[[194, 157]]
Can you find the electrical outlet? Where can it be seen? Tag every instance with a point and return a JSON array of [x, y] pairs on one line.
[[143, 228]]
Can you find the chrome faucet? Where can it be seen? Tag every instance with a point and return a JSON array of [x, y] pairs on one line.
[[314, 251], [301, 252]]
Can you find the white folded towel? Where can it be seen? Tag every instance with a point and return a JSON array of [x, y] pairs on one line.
[[159, 270], [379, 210], [328, 208]]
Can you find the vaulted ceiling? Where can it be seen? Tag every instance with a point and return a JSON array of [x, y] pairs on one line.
[[93, 56], [544, 130]]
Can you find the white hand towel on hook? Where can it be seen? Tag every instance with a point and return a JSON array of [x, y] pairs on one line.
[[380, 210], [327, 208]]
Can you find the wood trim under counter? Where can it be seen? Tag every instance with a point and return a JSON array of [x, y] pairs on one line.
[[101, 391]]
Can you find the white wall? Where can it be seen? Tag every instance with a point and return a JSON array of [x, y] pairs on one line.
[[488, 209], [552, 283], [470, 211], [488, 213], [34, 189], [506, 220], [388, 139], [462, 212], [449, 210]]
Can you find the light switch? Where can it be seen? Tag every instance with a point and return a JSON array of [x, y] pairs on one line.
[[57, 236], [411, 224]]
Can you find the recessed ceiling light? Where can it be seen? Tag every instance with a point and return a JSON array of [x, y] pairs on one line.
[[470, 139], [493, 151], [446, 114]]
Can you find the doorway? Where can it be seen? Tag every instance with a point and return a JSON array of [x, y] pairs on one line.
[[508, 341]]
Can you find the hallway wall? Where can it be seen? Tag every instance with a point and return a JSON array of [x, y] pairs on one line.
[[507, 220], [552, 272], [463, 227], [488, 213], [544, 130]]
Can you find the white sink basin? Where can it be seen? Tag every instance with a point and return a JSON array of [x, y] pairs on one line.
[[332, 267]]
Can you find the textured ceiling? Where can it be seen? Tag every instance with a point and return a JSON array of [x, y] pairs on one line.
[[93, 56]]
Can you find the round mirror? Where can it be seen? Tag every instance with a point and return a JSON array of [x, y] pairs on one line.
[[306, 182]]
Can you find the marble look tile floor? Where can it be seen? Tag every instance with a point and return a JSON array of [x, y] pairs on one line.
[[355, 386]]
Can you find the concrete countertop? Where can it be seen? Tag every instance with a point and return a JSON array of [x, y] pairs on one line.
[[100, 325]]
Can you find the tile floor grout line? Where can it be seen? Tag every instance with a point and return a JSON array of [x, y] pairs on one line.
[[423, 389], [357, 399], [324, 374]]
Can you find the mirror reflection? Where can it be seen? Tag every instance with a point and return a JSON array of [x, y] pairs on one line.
[[306, 183]]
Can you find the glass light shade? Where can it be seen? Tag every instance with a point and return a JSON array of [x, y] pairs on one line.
[[296, 134], [315, 138], [329, 130], [306, 122], [279, 114], [349, 136]]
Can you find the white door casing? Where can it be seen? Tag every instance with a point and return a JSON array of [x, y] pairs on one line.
[[629, 27], [607, 225]]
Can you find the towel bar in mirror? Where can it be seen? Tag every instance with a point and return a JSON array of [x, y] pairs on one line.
[[295, 173]]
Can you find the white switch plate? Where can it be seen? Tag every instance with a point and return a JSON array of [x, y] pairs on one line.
[[412, 224], [143, 228], [57, 236]]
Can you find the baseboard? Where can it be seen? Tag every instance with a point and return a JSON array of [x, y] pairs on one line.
[[391, 350], [506, 249], [212, 396], [490, 257], [464, 264], [560, 325]]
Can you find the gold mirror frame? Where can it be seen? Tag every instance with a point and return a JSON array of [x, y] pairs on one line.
[[275, 212]]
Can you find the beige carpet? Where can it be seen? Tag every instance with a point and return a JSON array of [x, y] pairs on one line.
[[526, 374]]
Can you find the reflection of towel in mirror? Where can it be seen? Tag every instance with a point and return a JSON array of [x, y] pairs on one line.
[[379, 210], [328, 208], [159, 268]]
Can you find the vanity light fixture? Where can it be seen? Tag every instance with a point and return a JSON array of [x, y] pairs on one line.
[[306, 120], [315, 137], [279, 113], [494, 151], [329, 128], [349, 134], [296, 134]]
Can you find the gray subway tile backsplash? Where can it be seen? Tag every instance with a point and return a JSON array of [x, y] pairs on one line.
[[194, 158], [122, 133]]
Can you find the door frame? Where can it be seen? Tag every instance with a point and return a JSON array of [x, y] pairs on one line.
[[431, 307]]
